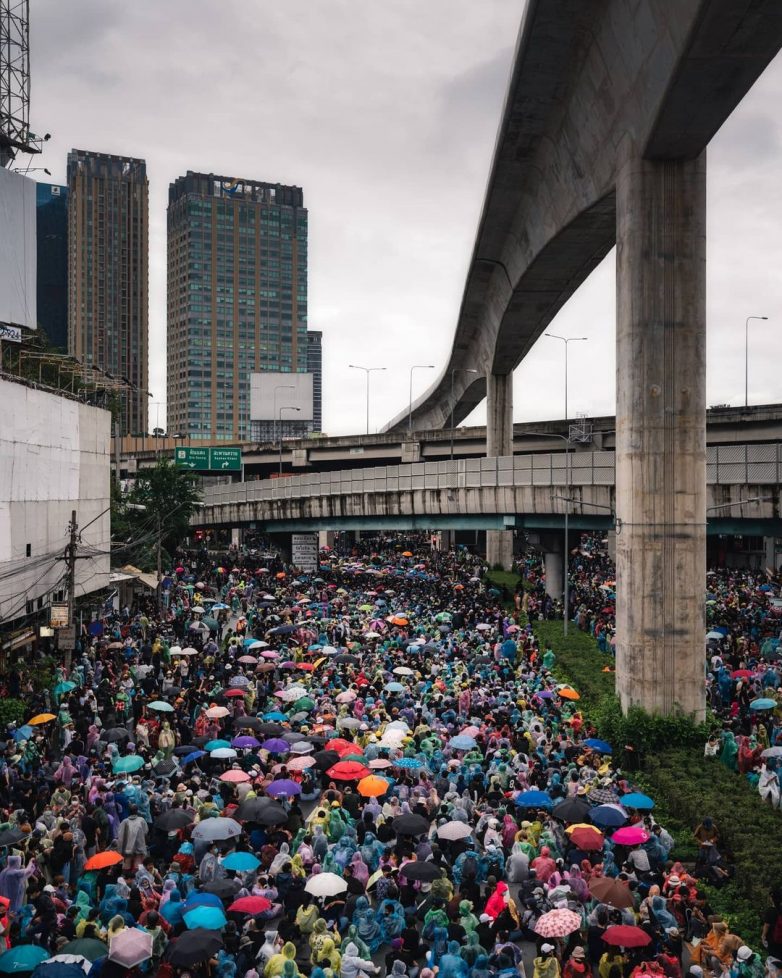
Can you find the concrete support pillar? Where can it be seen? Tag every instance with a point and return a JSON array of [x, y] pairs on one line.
[[661, 433], [770, 547], [553, 563], [499, 441]]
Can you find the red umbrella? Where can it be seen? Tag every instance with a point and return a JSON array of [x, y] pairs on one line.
[[741, 674], [250, 904], [587, 839], [348, 771], [342, 746], [624, 935], [234, 692]]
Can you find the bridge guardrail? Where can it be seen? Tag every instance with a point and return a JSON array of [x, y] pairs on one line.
[[725, 465]]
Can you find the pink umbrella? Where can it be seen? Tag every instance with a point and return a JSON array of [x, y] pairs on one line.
[[131, 947], [471, 731], [234, 776], [270, 654], [558, 923], [347, 697], [301, 763], [630, 835], [379, 763], [248, 659]]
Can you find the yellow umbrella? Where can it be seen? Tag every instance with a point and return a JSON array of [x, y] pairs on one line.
[[41, 718], [581, 825], [317, 662], [372, 786]]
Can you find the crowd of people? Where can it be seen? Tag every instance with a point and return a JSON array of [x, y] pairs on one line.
[[366, 769]]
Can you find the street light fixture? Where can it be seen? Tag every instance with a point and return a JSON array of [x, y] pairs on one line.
[[285, 407], [746, 357], [456, 370], [367, 371], [417, 366], [280, 387], [566, 340]]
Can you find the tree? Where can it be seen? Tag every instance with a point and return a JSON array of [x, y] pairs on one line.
[[169, 496]]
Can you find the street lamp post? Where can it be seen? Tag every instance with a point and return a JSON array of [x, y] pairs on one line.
[[367, 371], [746, 357], [566, 340], [466, 370], [418, 366], [285, 407], [279, 387]]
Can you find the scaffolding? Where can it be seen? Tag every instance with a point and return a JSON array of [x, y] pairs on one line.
[[15, 135]]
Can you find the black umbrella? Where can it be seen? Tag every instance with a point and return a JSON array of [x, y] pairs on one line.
[[10, 837], [273, 815], [198, 742], [572, 810], [324, 759], [283, 629], [224, 888], [250, 723], [194, 947], [173, 819], [251, 808], [166, 767], [270, 730], [184, 749], [346, 658], [421, 870], [114, 734], [410, 825]]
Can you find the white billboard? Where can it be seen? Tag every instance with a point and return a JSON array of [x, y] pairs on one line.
[[18, 252], [271, 391]]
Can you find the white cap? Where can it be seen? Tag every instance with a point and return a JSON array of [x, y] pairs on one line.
[[546, 948], [744, 953]]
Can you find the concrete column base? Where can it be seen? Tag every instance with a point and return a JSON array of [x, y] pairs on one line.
[[499, 548], [553, 563], [661, 433]]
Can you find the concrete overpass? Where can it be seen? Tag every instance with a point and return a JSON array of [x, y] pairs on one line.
[[610, 107], [724, 425]]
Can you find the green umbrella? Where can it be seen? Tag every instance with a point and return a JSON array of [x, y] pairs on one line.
[[87, 947], [209, 622], [64, 687], [129, 764], [305, 703], [23, 957]]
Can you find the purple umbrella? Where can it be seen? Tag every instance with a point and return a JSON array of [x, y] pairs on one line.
[[276, 745], [245, 742], [545, 694], [283, 787]]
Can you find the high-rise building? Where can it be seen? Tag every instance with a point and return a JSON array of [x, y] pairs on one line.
[[315, 367], [108, 272], [52, 273], [237, 298]]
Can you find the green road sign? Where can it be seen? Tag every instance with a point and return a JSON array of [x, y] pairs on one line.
[[195, 459], [225, 459], [209, 459]]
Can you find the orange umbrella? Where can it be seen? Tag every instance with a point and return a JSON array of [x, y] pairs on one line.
[[399, 621], [569, 694], [41, 718], [372, 786], [406, 553], [305, 666], [102, 860]]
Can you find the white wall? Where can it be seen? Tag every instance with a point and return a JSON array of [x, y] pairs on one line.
[[18, 254], [54, 458]]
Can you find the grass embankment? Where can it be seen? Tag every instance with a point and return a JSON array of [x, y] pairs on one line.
[[666, 759]]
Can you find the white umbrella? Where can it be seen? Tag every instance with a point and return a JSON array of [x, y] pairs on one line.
[[398, 725], [188, 651], [292, 693], [174, 650], [258, 645], [718, 636], [453, 831], [349, 723], [198, 610], [347, 697], [325, 885], [772, 752], [223, 753], [404, 671]]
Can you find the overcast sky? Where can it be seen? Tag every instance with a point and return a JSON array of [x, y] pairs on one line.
[[385, 112]]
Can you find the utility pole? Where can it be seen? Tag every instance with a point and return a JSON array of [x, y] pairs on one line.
[[70, 561], [159, 562]]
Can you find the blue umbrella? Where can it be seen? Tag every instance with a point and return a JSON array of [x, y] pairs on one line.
[[607, 816], [412, 763], [201, 899], [126, 765], [533, 799], [220, 607], [241, 862], [275, 715], [210, 918], [161, 706], [58, 969], [462, 742], [764, 703], [194, 756], [637, 800], [23, 957], [599, 745], [23, 733], [394, 687], [217, 744]]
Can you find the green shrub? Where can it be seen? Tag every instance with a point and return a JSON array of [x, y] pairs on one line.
[[11, 711]]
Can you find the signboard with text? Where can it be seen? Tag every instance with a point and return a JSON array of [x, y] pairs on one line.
[[304, 551], [58, 614], [209, 459]]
